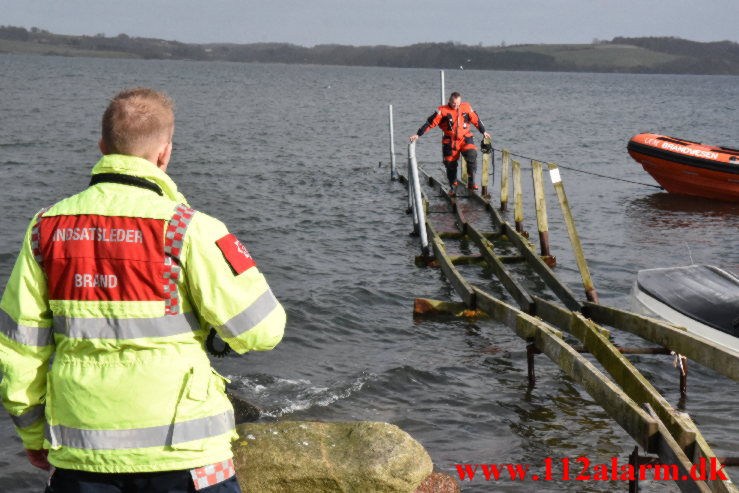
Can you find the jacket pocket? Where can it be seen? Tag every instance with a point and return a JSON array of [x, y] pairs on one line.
[[203, 399]]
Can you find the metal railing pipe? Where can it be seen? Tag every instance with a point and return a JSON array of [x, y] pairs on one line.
[[443, 90], [393, 170], [415, 188]]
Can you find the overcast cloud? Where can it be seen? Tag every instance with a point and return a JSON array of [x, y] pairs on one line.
[[372, 22]]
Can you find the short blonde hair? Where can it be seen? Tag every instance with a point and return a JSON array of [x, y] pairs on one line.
[[137, 121]]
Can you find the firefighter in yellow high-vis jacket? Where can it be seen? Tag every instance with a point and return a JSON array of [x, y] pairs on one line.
[[120, 284]]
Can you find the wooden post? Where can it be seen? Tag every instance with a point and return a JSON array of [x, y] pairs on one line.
[[582, 264], [530, 352], [504, 170], [634, 462], [463, 173], [518, 198], [487, 157], [541, 208], [682, 367], [393, 171]]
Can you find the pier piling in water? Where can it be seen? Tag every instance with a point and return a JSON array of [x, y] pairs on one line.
[[393, 170], [504, 173], [619, 388], [542, 222], [582, 264], [518, 199]]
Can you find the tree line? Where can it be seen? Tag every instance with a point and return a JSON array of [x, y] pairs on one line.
[[691, 56]]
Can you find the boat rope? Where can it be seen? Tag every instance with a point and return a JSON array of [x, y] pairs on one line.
[[571, 169], [586, 172]]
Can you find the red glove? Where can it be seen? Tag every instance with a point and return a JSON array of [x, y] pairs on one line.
[[37, 458]]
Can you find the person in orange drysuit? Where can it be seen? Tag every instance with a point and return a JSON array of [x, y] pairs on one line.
[[454, 119]]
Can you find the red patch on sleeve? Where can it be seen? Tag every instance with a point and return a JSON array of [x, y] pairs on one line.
[[236, 254]]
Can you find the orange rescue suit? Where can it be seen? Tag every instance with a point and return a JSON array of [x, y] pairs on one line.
[[455, 125]]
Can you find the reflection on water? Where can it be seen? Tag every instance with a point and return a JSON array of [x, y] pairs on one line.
[[671, 211], [668, 230]]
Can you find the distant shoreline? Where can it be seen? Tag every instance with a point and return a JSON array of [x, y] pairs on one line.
[[647, 55]]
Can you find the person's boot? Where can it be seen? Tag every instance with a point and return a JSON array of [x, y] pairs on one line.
[[471, 183]]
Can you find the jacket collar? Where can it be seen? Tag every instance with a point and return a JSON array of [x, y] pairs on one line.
[[136, 166]]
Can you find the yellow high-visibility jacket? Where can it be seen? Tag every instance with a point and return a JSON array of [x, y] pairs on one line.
[[120, 284]]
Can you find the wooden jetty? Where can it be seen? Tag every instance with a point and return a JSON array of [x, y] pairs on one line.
[[548, 326]]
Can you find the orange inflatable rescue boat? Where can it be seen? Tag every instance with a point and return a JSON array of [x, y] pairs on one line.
[[688, 168]]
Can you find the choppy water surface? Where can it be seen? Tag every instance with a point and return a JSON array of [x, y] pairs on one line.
[[288, 157]]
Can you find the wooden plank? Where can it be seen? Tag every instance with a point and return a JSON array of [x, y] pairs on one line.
[[457, 235], [519, 293], [539, 199], [541, 207], [631, 380], [494, 214], [517, 197], [577, 250], [431, 230], [460, 285], [506, 314], [553, 314], [558, 316], [429, 307], [637, 423], [468, 260], [608, 395], [504, 173], [560, 290], [486, 157], [709, 354], [670, 454], [703, 450]]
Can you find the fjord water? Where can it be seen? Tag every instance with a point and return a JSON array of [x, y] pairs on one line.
[[288, 157]]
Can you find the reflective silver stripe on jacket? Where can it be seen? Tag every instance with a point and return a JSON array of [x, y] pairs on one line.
[[154, 436], [29, 417], [125, 328], [251, 316], [25, 334]]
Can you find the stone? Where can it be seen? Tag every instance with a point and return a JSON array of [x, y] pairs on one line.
[[244, 411], [315, 457], [439, 483]]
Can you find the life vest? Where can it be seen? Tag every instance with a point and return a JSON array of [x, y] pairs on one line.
[[455, 125], [122, 283]]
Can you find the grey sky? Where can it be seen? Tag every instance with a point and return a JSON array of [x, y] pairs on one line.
[[391, 22]]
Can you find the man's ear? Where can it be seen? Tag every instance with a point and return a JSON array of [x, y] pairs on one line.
[[164, 155], [103, 147]]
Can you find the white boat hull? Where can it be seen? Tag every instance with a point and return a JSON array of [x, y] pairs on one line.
[[647, 305]]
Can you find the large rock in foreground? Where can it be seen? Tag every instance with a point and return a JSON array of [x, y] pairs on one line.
[[311, 457]]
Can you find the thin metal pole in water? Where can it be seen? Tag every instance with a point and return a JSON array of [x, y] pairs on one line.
[[530, 352], [417, 200], [634, 462], [683, 369], [504, 186], [582, 264], [393, 171], [443, 89]]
